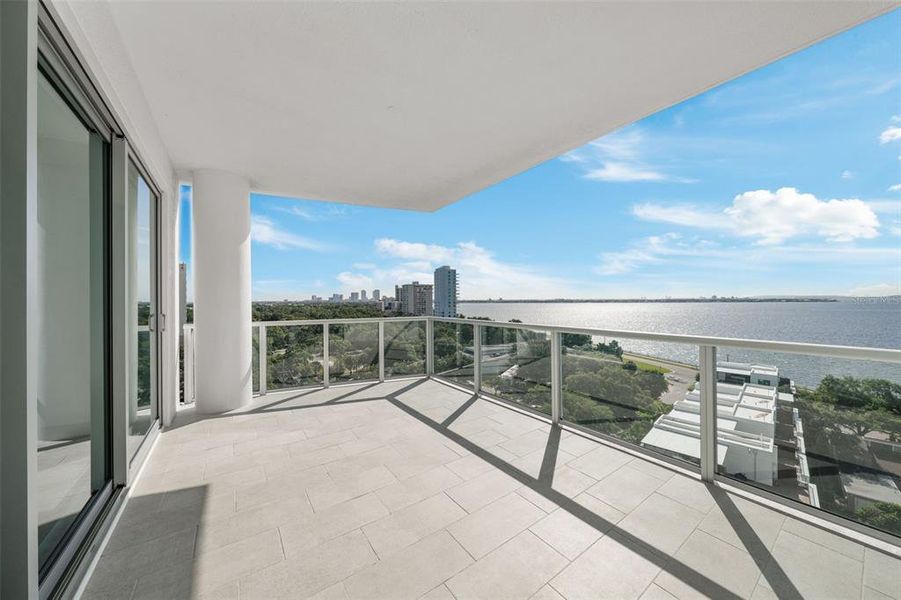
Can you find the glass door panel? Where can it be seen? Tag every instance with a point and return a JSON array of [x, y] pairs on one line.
[[142, 398], [71, 313]]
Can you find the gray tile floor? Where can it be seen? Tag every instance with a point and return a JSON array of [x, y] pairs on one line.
[[412, 489]]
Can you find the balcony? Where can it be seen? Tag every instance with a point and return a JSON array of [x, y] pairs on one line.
[[386, 475]]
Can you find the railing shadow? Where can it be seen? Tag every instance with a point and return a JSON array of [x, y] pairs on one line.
[[770, 568], [542, 486]]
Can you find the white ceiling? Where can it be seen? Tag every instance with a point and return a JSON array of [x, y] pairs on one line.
[[416, 105]]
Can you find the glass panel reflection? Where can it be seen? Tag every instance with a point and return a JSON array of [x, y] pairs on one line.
[[516, 366], [353, 352], [633, 392], [454, 352], [71, 331], [405, 348], [822, 431], [142, 407], [294, 356]]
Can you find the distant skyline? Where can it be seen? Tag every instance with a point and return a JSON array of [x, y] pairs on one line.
[[786, 181]]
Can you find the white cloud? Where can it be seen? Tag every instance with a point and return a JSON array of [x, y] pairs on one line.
[[654, 250], [615, 171], [895, 188], [481, 273], [618, 157], [847, 174], [773, 217], [686, 215], [891, 133], [877, 289], [671, 252], [355, 281], [308, 213], [263, 230]]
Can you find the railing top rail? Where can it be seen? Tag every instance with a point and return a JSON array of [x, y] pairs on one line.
[[834, 351], [294, 322], [892, 355]]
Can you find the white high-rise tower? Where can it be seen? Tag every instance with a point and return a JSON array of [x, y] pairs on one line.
[[445, 292]]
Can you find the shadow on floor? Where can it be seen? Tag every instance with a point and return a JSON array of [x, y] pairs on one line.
[[543, 486]]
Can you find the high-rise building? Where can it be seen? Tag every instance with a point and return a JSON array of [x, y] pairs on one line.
[[355, 296], [363, 295], [337, 298], [376, 295], [414, 298], [445, 292]]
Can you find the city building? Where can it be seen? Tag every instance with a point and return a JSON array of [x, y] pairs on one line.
[[414, 298], [376, 295], [446, 289], [110, 487], [355, 296], [363, 295]]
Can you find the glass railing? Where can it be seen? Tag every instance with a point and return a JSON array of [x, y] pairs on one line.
[[404, 348], [613, 388], [454, 352], [818, 425], [294, 356], [515, 365], [354, 351]]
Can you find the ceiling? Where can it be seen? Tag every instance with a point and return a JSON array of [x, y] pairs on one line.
[[416, 105]]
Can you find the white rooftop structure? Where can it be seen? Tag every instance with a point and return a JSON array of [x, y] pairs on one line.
[[865, 488], [751, 373], [745, 427]]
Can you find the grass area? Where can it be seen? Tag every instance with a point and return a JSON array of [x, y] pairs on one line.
[[649, 368]]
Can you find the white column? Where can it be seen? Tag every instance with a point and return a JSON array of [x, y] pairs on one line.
[[222, 314]]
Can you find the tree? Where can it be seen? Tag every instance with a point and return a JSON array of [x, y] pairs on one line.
[[612, 348], [861, 405], [575, 340], [883, 515]]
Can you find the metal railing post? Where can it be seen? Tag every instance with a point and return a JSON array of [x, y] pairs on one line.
[[189, 364], [477, 358], [263, 351], [325, 356], [381, 351], [556, 376], [707, 362], [429, 347]]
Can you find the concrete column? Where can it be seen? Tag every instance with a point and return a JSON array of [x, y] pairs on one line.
[[222, 313]]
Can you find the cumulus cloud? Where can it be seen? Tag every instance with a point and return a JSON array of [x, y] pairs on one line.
[[847, 174], [895, 188], [263, 230], [618, 157], [890, 134], [481, 273], [773, 217]]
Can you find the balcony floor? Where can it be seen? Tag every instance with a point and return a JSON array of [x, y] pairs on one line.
[[411, 489]]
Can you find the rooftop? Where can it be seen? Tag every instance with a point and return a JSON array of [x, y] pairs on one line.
[[414, 488]]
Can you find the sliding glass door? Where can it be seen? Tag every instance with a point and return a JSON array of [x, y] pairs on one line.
[[143, 403], [71, 309]]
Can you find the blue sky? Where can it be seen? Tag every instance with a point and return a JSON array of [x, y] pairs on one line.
[[784, 181]]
